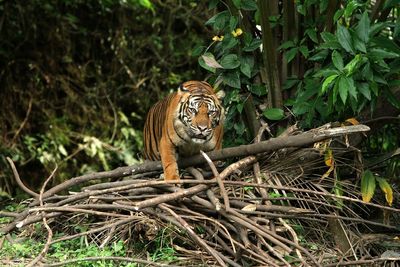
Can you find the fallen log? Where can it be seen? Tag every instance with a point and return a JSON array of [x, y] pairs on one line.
[[300, 140]]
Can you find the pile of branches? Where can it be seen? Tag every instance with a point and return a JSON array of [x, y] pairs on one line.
[[245, 214]]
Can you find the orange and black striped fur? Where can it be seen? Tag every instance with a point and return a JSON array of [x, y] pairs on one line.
[[183, 123]]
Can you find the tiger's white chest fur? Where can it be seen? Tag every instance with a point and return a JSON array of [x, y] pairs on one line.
[[187, 146]]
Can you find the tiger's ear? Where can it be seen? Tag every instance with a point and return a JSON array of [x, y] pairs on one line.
[[182, 88], [220, 94]]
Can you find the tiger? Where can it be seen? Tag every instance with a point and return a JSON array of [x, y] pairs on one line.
[[183, 123]]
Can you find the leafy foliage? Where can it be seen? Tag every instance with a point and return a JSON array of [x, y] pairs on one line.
[[231, 60], [334, 60], [357, 64], [333, 72], [368, 185]]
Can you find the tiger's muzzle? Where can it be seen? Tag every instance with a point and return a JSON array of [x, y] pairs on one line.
[[201, 134]]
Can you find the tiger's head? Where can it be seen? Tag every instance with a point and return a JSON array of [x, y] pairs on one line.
[[199, 111]]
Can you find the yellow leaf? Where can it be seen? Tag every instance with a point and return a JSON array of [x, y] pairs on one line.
[[326, 174], [387, 189], [329, 160], [368, 184], [352, 121]]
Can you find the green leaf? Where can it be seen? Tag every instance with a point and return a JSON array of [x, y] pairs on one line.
[[323, 5], [351, 6], [213, 4], [321, 55], [387, 190], [368, 184], [385, 42], [364, 90], [233, 21], [327, 82], [258, 89], [290, 82], [383, 67], [352, 88], [230, 61], [198, 50], [338, 14], [300, 108], [366, 72], [337, 60], [362, 29], [239, 107], [232, 79], [396, 33], [380, 79], [351, 66], [330, 41], [344, 38], [374, 88], [390, 3], [328, 37], [219, 21], [392, 98], [326, 72], [229, 42], [253, 45], [249, 5], [359, 45], [274, 114], [246, 64], [291, 54], [245, 69], [304, 51], [312, 34], [286, 45], [343, 88], [377, 27], [378, 53]]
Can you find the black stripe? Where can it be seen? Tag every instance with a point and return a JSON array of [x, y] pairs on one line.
[[177, 133], [169, 137]]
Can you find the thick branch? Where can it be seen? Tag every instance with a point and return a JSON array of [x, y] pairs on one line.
[[273, 144]]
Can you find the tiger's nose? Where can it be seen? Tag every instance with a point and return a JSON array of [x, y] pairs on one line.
[[202, 128]]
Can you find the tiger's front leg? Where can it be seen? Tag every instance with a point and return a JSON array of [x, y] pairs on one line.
[[168, 160]]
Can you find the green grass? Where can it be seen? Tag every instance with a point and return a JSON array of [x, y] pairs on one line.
[[21, 253], [23, 249]]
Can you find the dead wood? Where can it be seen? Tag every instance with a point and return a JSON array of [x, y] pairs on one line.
[[273, 144], [245, 215]]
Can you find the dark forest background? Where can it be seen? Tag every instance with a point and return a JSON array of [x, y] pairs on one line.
[[77, 77]]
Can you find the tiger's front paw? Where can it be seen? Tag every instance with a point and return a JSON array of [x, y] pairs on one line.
[[171, 177]]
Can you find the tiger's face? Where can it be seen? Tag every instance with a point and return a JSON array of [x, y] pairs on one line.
[[200, 112]]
